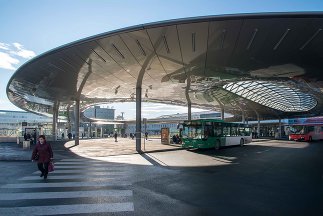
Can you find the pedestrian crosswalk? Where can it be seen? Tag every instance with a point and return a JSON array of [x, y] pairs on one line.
[[77, 186]]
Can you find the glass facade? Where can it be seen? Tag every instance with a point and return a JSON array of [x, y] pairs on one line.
[[11, 122]]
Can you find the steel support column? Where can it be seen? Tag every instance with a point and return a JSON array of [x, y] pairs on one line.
[[243, 117], [77, 121], [188, 99], [89, 131], [54, 124], [55, 117], [222, 113], [189, 111], [138, 119], [258, 125]]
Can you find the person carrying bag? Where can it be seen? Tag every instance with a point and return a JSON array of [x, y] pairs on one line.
[[45, 155]]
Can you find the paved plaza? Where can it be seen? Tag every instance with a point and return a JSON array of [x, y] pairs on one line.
[[261, 178]]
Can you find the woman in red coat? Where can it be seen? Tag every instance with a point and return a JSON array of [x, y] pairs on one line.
[[45, 155]]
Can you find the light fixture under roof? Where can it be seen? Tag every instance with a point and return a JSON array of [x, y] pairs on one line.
[[166, 44], [281, 39], [274, 95], [252, 38], [118, 51], [193, 41], [310, 39], [141, 48]]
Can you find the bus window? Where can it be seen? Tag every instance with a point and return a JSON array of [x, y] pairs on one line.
[[241, 131], [226, 131], [310, 128], [247, 131], [208, 132], [234, 131]]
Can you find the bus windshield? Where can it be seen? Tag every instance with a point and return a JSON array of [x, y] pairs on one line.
[[301, 129], [192, 131]]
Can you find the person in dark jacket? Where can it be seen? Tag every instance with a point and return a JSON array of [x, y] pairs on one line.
[[115, 137], [45, 155]]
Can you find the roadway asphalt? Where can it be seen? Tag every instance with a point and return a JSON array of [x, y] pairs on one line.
[[263, 178]]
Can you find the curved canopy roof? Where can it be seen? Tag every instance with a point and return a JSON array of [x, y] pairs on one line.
[[270, 64]]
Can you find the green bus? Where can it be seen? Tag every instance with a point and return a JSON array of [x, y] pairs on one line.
[[212, 133]]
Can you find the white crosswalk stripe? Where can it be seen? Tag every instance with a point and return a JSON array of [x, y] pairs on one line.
[[99, 163], [92, 167], [107, 177], [67, 184], [86, 171], [81, 180], [68, 209], [72, 194]]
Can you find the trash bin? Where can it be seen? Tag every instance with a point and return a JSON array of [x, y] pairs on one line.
[[26, 144]]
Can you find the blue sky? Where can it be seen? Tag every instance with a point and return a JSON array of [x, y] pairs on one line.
[[32, 27]]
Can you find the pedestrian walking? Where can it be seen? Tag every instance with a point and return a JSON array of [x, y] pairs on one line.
[[115, 137], [43, 154]]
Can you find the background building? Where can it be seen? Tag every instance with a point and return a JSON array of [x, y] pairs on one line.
[[154, 125], [100, 113], [15, 123], [90, 129]]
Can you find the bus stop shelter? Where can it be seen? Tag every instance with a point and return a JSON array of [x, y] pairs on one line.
[[255, 66]]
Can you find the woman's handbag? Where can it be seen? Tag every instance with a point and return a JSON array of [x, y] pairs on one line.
[[51, 166], [36, 157]]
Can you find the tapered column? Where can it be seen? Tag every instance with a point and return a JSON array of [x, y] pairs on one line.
[[77, 122], [89, 131], [138, 119], [54, 128], [258, 125], [189, 111], [222, 113], [188, 99], [55, 117], [243, 120]]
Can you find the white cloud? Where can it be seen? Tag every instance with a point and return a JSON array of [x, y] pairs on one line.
[[4, 46], [22, 52], [9, 53], [7, 62]]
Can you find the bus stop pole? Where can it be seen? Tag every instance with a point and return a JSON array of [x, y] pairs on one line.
[[280, 128], [258, 126], [138, 119]]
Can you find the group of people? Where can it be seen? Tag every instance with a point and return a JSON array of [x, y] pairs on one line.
[[28, 137], [176, 139]]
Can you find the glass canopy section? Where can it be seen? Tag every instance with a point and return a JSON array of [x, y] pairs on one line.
[[273, 95]]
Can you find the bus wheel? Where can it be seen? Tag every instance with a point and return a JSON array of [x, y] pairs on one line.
[[310, 139], [217, 145], [241, 142]]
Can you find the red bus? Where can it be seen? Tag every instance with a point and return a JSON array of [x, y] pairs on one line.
[[306, 132]]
